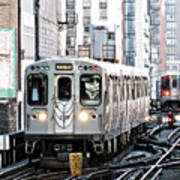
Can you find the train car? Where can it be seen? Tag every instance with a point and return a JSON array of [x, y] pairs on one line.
[[170, 91], [82, 105]]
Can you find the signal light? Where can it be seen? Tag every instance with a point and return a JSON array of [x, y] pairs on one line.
[[96, 68], [85, 68], [90, 68], [32, 68], [170, 113], [171, 118], [37, 68]]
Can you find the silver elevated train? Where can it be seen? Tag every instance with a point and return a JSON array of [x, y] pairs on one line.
[[82, 105]]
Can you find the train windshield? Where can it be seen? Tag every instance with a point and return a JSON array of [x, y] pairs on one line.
[[37, 93], [165, 84], [90, 90], [174, 83], [64, 88]]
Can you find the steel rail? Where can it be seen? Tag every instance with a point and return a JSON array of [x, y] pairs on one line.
[[159, 161], [173, 133], [156, 175], [124, 174]]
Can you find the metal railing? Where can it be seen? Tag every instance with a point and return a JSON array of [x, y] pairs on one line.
[[12, 148]]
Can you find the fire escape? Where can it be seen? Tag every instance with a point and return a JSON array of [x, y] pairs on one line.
[[71, 28], [154, 48]]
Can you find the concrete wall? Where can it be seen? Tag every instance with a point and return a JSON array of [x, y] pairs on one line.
[[8, 112], [8, 13]]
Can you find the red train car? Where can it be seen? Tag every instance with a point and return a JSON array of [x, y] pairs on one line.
[[170, 91]]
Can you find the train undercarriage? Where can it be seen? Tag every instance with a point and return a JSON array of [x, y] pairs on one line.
[[55, 153]]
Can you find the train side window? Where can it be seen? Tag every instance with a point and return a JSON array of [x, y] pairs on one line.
[[122, 90], [127, 89], [37, 89], [90, 89], [64, 88], [133, 89], [138, 89], [174, 83], [146, 87]]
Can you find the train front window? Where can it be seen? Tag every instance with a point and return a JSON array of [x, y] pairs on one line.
[[165, 84], [90, 90], [174, 83], [37, 89], [64, 89]]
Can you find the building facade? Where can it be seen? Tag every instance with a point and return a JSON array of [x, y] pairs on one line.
[[8, 30], [95, 23], [172, 37], [48, 28], [129, 32], [142, 34], [136, 33], [157, 46]]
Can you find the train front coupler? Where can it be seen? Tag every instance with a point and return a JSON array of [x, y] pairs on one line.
[[30, 147]]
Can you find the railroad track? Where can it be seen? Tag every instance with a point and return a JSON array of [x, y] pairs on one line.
[[139, 167]]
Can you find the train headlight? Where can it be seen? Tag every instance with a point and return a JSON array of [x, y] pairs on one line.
[[42, 116], [83, 116], [177, 117], [167, 93]]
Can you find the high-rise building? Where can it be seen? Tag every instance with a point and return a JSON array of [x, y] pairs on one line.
[[136, 33], [172, 37], [157, 45], [129, 32], [48, 28], [142, 34]]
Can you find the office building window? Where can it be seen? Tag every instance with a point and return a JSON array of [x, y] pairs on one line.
[[172, 25], [103, 15], [167, 68], [86, 20], [70, 41], [102, 4], [111, 36], [70, 4], [170, 17], [174, 68], [86, 40], [86, 29], [86, 4], [170, 57]]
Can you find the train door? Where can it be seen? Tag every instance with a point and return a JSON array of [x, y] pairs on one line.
[[64, 106]]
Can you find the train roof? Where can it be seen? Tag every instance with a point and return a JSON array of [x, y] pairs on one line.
[[114, 69], [170, 73]]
